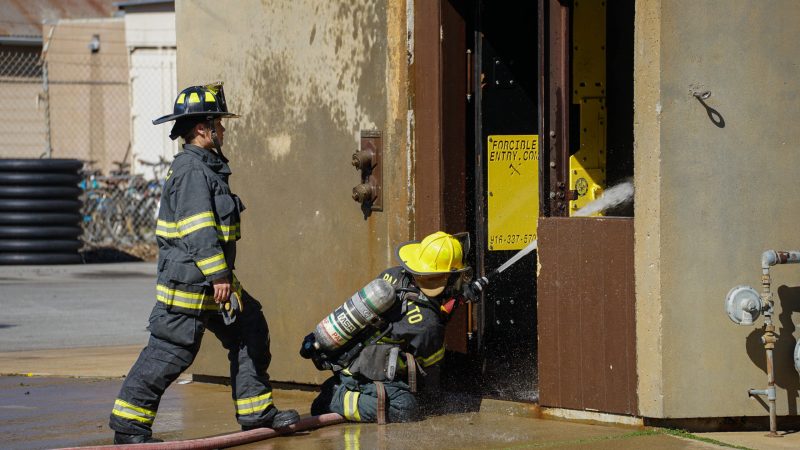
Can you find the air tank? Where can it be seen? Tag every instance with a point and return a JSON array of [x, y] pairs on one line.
[[358, 312]]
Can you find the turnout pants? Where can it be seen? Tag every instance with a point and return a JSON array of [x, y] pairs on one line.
[[357, 400], [174, 342]]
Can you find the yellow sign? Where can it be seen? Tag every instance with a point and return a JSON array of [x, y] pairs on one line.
[[513, 190]]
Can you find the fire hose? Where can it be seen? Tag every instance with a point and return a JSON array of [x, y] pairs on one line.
[[230, 440], [617, 195], [473, 290]]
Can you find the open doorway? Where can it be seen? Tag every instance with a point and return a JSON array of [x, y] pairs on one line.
[[508, 75]]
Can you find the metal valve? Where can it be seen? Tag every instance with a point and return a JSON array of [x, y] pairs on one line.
[[368, 161], [364, 192], [363, 160]]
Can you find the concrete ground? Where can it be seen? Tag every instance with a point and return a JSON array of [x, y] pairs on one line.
[[46, 307], [65, 350]]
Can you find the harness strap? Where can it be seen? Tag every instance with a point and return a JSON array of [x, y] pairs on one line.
[[381, 391], [412, 371], [216, 142]]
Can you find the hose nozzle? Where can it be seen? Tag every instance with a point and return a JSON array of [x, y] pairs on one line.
[[474, 291]]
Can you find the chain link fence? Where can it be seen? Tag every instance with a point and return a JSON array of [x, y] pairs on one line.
[[22, 111], [75, 104]]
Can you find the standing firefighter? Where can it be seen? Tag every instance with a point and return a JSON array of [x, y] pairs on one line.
[[379, 367], [198, 226]]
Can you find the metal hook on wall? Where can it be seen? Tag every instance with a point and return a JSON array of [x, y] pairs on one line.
[[713, 114]]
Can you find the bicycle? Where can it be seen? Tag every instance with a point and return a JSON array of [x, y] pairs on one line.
[[95, 202]]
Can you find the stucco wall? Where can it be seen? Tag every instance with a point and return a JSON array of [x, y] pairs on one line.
[[712, 195], [89, 92], [22, 117], [306, 77]]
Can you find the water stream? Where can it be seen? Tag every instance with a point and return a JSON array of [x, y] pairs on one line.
[[614, 196]]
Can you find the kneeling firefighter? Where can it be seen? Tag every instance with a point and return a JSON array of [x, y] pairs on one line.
[[198, 226], [387, 340]]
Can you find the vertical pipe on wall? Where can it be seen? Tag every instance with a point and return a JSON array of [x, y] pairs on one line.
[[770, 258]]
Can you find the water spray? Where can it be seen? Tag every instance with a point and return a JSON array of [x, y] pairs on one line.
[[615, 196]]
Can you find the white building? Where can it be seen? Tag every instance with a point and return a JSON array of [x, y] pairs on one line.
[[150, 37]]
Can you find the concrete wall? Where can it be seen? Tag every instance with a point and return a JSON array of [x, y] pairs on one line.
[[712, 194], [306, 77]]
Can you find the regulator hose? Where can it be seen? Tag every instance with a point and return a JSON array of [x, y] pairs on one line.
[[230, 440]]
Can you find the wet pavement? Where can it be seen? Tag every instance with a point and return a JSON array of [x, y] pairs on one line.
[[48, 412], [65, 351]]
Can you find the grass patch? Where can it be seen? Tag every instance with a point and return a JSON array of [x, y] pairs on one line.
[[686, 435]]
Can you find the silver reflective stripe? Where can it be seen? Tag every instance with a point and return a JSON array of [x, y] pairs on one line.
[[433, 359], [212, 265], [252, 405], [196, 222], [128, 411], [183, 299], [166, 229], [228, 233], [351, 406]]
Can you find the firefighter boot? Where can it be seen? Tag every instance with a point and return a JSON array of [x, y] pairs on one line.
[[122, 438], [281, 419]]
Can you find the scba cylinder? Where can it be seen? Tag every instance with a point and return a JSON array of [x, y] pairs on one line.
[[358, 312]]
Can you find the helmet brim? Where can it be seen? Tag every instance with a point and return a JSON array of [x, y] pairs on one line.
[[171, 117], [406, 253]]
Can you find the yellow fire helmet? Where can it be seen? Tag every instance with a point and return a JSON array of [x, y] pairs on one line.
[[438, 253]]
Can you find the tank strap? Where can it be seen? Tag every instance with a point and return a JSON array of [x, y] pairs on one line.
[[412, 372], [380, 389], [406, 295]]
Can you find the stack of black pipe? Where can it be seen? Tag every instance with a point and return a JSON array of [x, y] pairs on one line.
[[40, 211]]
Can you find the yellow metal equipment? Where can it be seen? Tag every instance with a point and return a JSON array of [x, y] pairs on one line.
[[587, 167]]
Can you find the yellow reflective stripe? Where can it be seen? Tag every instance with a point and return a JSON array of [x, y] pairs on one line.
[[186, 231], [188, 300], [194, 98], [213, 259], [127, 405], [128, 411], [230, 238], [351, 406], [227, 233], [204, 214], [132, 416], [195, 222], [228, 228], [180, 98], [166, 229], [185, 226], [434, 358], [167, 234], [173, 302], [253, 404], [210, 97], [216, 263], [237, 287], [212, 270]]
